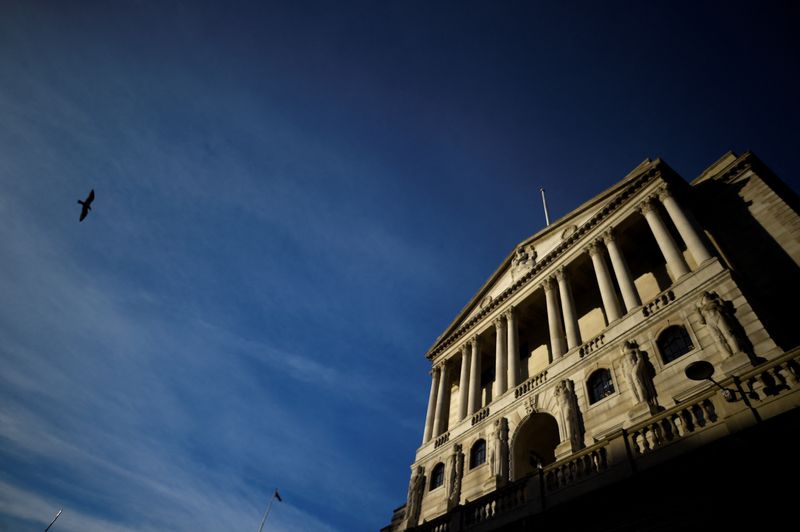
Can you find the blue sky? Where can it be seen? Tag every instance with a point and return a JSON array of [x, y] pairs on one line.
[[294, 199]]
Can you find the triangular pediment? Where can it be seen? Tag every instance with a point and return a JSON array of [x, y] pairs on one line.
[[523, 258]]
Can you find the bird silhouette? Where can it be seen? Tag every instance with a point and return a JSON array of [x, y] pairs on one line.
[[86, 205]]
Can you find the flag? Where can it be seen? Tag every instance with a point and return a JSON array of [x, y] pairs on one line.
[[278, 495]]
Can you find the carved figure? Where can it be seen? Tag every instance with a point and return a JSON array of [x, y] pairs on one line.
[[416, 487], [499, 457], [456, 472], [716, 315], [524, 259], [568, 403], [639, 374]]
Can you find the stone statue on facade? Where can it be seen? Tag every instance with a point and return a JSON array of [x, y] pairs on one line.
[[524, 259], [717, 316], [640, 375], [416, 487], [568, 403], [499, 457], [456, 473]]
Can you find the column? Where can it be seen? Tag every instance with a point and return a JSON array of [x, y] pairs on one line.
[[431, 406], [624, 279], [474, 379], [687, 231], [513, 347], [500, 358], [463, 383], [607, 293], [553, 319], [568, 307], [440, 421], [666, 244]]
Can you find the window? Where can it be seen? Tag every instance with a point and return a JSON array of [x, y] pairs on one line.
[[600, 385], [673, 343], [477, 454], [437, 476]]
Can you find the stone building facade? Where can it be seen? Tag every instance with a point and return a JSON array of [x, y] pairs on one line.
[[566, 373]]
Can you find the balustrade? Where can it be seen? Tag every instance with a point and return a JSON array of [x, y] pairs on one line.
[[480, 415], [661, 300], [441, 440], [672, 426], [592, 345], [497, 503], [530, 384], [575, 468]]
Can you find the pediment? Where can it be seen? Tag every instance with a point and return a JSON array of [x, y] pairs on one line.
[[523, 258]]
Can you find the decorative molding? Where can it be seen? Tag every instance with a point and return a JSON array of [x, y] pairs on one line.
[[635, 186]]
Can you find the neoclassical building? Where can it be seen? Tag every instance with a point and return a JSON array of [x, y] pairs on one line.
[[561, 391]]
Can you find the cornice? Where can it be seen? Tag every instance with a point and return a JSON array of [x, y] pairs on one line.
[[658, 169]]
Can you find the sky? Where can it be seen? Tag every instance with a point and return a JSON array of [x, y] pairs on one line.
[[293, 200]]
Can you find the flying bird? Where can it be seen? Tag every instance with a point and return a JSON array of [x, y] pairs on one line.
[[86, 205]]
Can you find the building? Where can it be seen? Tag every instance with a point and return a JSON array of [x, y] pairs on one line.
[[560, 394]]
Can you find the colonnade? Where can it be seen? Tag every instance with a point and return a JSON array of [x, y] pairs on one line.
[[562, 318]]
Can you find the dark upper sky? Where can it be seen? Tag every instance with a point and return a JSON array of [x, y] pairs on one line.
[[294, 199]]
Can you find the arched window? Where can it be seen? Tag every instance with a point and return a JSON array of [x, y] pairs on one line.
[[600, 385], [437, 476], [477, 455], [673, 343]]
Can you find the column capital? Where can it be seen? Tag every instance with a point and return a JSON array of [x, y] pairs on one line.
[[609, 235], [510, 312], [647, 205], [561, 274], [464, 347], [499, 323], [473, 341], [594, 248], [664, 191], [548, 283]]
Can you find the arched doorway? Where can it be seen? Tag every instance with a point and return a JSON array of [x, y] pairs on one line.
[[535, 441]]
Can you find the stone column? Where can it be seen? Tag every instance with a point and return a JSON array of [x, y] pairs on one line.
[[629, 294], [440, 420], [474, 379], [687, 231], [500, 358], [568, 307], [666, 244], [431, 406], [607, 293], [553, 319], [463, 383], [513, 348]]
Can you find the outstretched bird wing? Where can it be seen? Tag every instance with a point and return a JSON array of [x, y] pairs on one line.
[[90, 198], [84, 211]]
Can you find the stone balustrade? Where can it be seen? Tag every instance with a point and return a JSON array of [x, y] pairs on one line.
[[584, 464], [592, 345], [495, 504], [659, 302], [480, 415], [530, 384], [441, 440], [672, 425]]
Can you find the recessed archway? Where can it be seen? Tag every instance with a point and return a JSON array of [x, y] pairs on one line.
[[534, 442]]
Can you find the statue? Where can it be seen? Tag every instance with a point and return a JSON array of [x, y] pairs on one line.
[[640, 375], [499, 457], [415, 490], [716, 315], [456, 472], [568, 402]]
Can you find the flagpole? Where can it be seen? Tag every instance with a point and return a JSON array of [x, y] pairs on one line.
[[269, 507], [54, 520]]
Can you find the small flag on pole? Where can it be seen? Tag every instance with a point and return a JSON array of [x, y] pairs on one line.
[[278, 495]]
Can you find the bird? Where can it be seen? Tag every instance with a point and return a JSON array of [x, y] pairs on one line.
[[86, 205]]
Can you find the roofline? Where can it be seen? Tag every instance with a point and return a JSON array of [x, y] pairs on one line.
[[642, 168]]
